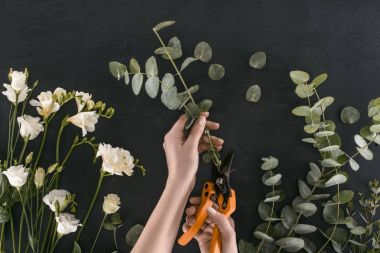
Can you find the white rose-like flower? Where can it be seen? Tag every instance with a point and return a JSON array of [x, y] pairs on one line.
[[111, 203], [17, 175], [15, 96], [18, 80], [66, 223], [57, 196], [59, 93], [81, 98], [45, 104], [85, 120], [39, 177], [30, 127], [116, 160]]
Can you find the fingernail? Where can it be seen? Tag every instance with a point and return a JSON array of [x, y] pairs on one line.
[[211, 210], [202, 121]]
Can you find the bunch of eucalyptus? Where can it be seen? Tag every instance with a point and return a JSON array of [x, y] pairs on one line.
[[350, 220], [35, 212]]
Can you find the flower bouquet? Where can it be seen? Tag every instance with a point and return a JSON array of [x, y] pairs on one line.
[[32, 186]]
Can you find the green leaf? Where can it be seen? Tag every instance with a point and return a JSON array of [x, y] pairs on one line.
[[264, 211], [262, 236], [349, 115], [309, 246], [246, 247], [170, 98], [345, 196], [167, 82], [319, 196], [269, 180], [205, 105], [109, 226], [319, 79], [163, 25], [203, 51], [353, 164], [164, 50], [4, 215], [275, 196], [306, 209], [126, 77], [338, 235], [291, 244], [134, 66], [299, 77], [330, 213], [192, 110], [323, 103], [117, 69], [152, 85], [365, 153], [329, 163], [115, 219], [187, 62], [289, 217], [174, 43], [375, 128], [359, 230], [360, 141], [253, 93], [216, 72], [137, 82], [134, 234], [310, 129], [324, 133], [329, 148], [304, 228], [270, 163], [151, 67], [302, 110], [76, 248], [304, 90], [304, 190], [336, 179], [258, 60]]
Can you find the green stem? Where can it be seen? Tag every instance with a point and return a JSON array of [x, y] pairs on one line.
[[54, 245], [59, 137], [98, 233], [42, 145], [91, 205], [30, 232], [12, 231], [47, 229], [26, 141], [12, 131], [20, 233], [9, 134], [2, 241]]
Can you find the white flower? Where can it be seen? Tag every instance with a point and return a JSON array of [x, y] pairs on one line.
[[66, 223], [85, 120], [55, 197], [30, 127], [111, 203], [45, 104], [15, 96], [39, 178], [18, 80], [59, 93], [116, 160], [17, 175], [81, 98]]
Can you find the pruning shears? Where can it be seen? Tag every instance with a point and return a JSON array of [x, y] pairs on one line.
[[218, 191]]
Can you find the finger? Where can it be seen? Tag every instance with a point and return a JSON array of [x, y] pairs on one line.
[[195, 201], [208, 229], [222, 222], [185, 227], [190, 220], [215, 140], [196, 133], [211, 125], [191, 210], [202, 148], [177, 128]]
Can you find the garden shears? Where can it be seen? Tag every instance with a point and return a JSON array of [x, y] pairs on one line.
[[219, 192]]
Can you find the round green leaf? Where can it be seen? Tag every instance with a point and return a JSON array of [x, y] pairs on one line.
[[216, 72], [151, 67], [167, 82], [117, 69], [176, 53], [164, 24], [264, 211], [187, 62], [289, 217], [269, 163], [152, 86], [353, 164], [262, 236], [137, 82], [170, 98], [253, 93], [359, 230], [203, 51], [319, 79], [299, 77], [336, 179], [290, 244], [246, 247], [304, 228], [304, 190], [134, 234], [349, 115], [345, 196], [134, 66], [258, 60], [365, 153], [306, 209], [205, 105], [302, 111], [304, 91]]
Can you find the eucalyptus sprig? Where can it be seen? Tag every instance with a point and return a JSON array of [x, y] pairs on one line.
[[170, 96]]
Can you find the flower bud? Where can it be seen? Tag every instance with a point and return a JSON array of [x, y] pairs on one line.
[[90, 105], [111, 203], [29, 158], [52, 168], [39, 177]]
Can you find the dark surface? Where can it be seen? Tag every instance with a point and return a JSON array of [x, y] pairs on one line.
[[70, 44]]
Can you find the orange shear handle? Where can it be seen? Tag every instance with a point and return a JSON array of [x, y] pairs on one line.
[[201, 215], [216, 240]]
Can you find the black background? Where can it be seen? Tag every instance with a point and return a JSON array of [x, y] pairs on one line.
[[70, 44]]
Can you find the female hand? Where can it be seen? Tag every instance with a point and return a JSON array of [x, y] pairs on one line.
[[182, 154], [226, 227]]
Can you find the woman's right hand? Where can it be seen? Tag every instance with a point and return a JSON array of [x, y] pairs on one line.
[[225, 225]]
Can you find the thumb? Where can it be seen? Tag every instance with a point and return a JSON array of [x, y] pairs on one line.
[[196, 132], [222, 222]]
